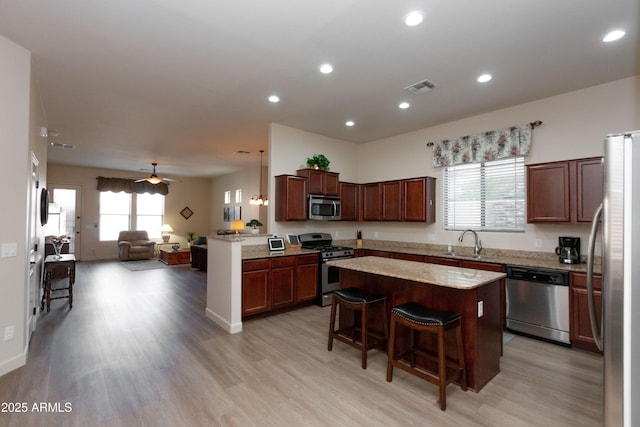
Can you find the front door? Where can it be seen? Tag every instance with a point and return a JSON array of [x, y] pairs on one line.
[[64, 215]]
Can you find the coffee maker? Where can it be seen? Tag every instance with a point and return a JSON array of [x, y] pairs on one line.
[[568, 250]]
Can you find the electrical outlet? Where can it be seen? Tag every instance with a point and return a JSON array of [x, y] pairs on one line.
[[375, 234], [8, 333], [538, 243], [480, 308], [431, 237]]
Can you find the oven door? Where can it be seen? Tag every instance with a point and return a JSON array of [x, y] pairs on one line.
[[329, 282]]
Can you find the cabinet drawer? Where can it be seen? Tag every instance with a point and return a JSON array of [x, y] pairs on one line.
[[253, 265], [308, 259], [579, 280], [285, 261]]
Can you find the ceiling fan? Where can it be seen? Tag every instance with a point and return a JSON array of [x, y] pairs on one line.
[[154, 178]]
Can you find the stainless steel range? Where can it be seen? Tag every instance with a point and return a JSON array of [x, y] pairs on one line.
[[329, 276]]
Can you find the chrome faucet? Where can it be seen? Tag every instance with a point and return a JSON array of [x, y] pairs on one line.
[[477, 247]]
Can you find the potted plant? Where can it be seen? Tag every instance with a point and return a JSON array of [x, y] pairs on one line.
[[190, 237], [254, 224], [318, 161]]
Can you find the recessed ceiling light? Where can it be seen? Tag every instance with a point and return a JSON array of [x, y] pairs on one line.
[[413, 19], [403, 105], [274, 98], [484, 78], [613, 36], [326, 68], [349, 123]]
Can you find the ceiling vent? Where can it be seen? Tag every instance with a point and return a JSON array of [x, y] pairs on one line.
[[420, 87]]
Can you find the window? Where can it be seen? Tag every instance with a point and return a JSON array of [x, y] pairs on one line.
[[149, 213], [238, 196], [124, 211], [227, 197], [488, 196], [115, 209]]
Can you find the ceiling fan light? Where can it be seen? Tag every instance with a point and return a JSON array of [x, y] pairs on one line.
[[154, 179]]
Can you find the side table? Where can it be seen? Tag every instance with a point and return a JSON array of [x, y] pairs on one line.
[[56, 263], [171, 257]]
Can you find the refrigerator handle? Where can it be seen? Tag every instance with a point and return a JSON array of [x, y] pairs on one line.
[[595, 325]]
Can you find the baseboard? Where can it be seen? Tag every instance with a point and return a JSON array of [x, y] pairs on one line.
[[13, 363], [232, 328]]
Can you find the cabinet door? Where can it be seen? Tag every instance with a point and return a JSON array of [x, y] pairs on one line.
[[590, 183], [371, 199], [548, 192], [580, 325], [291, 198], [282, 286], [330, 185], [416, 205], [307, 282], [255, 292], [391, 200], [349, 201]]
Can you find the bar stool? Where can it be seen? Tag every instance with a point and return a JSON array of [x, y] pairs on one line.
[[421, 319], [357, 299]]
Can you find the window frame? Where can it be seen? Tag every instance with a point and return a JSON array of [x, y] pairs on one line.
[[505, 213], [132, 216]]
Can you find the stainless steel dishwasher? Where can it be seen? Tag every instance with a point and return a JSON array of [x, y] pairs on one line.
[[538, 303]]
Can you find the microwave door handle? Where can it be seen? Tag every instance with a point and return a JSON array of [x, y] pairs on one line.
[[596, 327], [335, 208]]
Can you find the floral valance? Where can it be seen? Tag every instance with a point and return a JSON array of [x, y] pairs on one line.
[[131, 186], [487, 146]]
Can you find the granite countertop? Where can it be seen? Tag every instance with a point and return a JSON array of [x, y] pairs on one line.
[[494, 256], [433, 274]]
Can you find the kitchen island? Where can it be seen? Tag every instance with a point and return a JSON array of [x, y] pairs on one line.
[[473, 293]]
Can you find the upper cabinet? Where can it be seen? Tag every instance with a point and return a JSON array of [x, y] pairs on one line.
[[349, 201], [400, 200], [320, 182], [291, 198], [566, 191]]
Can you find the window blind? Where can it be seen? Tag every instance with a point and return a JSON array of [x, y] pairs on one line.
[[487, 196]]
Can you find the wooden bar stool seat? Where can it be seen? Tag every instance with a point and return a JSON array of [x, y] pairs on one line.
[[358, 334], [419, 318]]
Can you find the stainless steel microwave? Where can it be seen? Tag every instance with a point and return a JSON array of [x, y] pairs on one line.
[[324, 207]]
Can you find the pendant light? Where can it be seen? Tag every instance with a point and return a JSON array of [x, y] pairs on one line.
[[259, 200]]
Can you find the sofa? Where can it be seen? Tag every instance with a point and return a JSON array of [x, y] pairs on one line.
[[199, 254], [134, 245]]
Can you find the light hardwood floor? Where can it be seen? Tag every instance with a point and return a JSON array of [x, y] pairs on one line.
[[137, 350]]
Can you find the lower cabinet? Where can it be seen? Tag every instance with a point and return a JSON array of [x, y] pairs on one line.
[[273, 283], [580, 325]]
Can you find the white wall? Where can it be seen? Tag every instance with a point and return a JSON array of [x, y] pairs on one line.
[[574, 126], [186, 192], [288, 152], [17, 142]]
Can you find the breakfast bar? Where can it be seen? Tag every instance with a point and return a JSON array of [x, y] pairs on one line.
[[475, 294]]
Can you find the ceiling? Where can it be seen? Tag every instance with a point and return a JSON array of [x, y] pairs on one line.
[[185, 83]]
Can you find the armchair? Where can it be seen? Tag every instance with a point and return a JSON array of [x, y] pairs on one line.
[[135, 245]]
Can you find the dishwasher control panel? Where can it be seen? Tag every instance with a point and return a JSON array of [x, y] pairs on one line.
[[541, 275]]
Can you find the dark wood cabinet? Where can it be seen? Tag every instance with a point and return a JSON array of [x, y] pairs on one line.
[[282, 281], [408, 257], [306, 278], [580, 325], [256, 297], [349, 201], [371, 201], [320, 182], [391, 198], [566, 191], [419, 199], [589, 186], [401, 200], [279, 282], [291, 198]]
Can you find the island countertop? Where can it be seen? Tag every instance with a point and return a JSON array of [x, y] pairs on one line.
[[433, 274]]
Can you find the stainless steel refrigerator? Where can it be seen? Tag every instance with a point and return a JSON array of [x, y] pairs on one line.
[[617, 332]]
